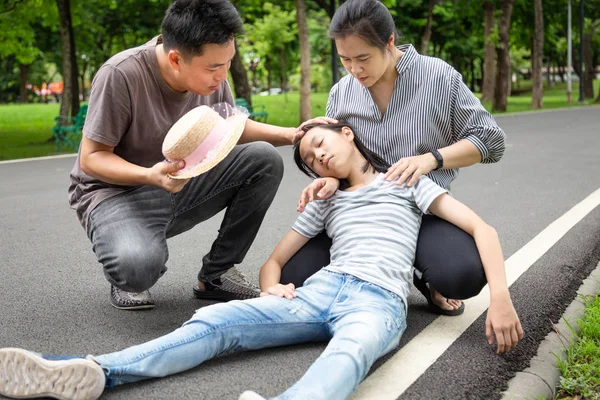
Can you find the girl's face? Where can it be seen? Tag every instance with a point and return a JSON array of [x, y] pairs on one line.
[[365, 62], [328, 153]]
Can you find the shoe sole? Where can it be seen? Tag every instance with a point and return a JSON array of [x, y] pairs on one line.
[[133, 308], [25, 375], [220, 295]]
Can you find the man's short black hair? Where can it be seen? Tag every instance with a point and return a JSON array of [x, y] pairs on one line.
[[190, 24]]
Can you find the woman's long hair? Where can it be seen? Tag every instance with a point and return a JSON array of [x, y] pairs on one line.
[[372, 160]]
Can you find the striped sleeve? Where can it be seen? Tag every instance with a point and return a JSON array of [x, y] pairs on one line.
[[330, 108], [311, 222], [472, 122], [425, 191]]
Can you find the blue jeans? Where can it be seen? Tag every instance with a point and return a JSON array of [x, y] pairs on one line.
[[361, 320]]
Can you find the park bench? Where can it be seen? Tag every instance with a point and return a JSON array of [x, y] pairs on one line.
[[260, 115], [67, 131]]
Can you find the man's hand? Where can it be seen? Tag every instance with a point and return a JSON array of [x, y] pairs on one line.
[[288, 291], [319, 189], [299, 133], [158, 176], [503, 323], [412, 167]]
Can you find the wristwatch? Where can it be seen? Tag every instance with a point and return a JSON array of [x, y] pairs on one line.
[[439, 159]]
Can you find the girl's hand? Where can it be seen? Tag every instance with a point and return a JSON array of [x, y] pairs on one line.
[[412, 167], [288, 291], [319, 189], [502, 321]]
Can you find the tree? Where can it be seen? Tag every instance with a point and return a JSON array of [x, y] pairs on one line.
[[19, 41], [305, 108], [537, 93], [487, 89], [240, 77], [427, 33], [503, 57], [70, 98]]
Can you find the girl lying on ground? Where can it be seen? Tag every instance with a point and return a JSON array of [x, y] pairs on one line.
[[357, 302]]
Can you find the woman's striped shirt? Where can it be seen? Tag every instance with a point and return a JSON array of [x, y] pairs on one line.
[[430, 108]]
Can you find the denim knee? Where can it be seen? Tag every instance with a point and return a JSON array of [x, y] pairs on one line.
[[266, 158], [136, 268]]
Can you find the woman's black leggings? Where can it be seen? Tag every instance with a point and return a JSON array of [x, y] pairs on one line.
[[446, 256]]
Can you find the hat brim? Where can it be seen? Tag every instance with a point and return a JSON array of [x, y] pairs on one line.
[[218, 154]]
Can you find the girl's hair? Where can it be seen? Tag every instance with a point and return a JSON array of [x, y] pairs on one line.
[[373, 160], [370, 20]]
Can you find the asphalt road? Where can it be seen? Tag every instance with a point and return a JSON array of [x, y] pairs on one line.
[[54, 298]]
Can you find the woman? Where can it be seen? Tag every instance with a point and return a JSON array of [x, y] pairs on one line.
[[417, 113], [358, 302]]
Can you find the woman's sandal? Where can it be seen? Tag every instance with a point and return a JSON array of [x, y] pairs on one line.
[[424, 289]]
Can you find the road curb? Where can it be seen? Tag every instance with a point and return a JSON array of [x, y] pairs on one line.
[[542, 377]]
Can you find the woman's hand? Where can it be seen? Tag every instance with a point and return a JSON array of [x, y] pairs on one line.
[[288, 291], [319, 189], [319, 120], [503, 322], [412, 167]]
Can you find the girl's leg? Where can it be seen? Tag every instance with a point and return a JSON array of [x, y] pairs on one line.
[[313, 256], [224, 328], [448, 259], [368, 322]]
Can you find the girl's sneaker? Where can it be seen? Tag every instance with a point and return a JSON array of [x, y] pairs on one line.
[[24, 374]]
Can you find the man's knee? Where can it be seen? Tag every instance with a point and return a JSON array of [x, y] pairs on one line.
[[266, 159], [136, 268]]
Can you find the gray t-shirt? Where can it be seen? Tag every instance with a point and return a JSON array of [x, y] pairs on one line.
[[131, 108], [374, 230]]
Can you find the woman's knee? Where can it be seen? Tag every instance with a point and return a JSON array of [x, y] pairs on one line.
[[136, 268], [457, 279]]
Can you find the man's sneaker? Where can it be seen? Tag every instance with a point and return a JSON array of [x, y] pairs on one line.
[[250, 395], [232, 285], [24, 374], [129, 300]]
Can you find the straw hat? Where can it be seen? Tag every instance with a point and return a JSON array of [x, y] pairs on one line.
[[203, 137]]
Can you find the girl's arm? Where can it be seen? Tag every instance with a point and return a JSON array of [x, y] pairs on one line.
[[502, 319], [270, 272]]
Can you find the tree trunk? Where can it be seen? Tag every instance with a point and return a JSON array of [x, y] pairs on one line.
[[537, 90], [23, 75], [487, 90], [502, 52], [70, 98], [427, 33], [305, 107], [240, 77], [588, 61]]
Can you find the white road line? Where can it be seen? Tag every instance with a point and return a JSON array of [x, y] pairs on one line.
[[20, 160], [393, 378]]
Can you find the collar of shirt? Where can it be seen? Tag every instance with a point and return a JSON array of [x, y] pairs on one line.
[[409, 57]]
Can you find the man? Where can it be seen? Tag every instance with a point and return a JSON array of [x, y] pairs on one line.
[[124, 198]]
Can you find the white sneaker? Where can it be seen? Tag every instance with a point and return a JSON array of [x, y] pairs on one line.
[[250, 395], [24, 374]]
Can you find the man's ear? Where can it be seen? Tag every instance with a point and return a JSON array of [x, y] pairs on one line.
[[175, 59]]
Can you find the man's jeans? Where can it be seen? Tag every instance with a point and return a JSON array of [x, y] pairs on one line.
[[129, 231], [362, 320]]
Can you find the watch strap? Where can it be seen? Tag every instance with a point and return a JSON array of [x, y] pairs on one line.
[[439, 159]]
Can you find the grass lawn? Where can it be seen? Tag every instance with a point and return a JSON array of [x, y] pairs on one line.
[[581, 371], [26, 130]]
